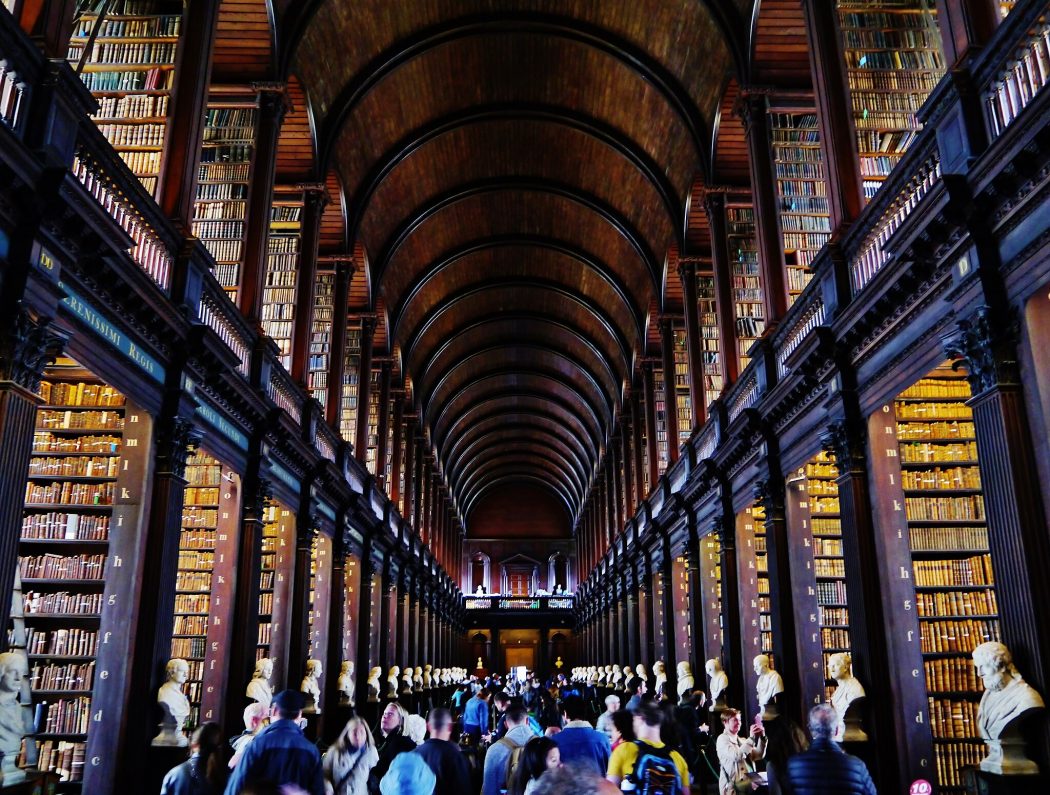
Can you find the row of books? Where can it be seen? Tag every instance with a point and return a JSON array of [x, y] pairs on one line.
[[812, 171], [952, 758], [827, 546], [75, 466], [951, 675], [820, 505], [282, 277], [229, 229], [133, 80], [133, 106], [198, 537], [894, 38], [895, 59], [933, 411], [189, 648], [64, 676], [953, 719], [834, 638], [142, 163], [68, 716], [55, 566], [192, 603], [964, 571], [68, 493], [223, 122], [956, 635], [221, 210], [938, 478], [825, 567], [820, 488], [923, 431], [831, 592], [190, 625], [227, 255], [870, 80], [224, 173], [798, 215], [201, 495], [956, 604], [75, 420], [193, 581], [833, 615], [65, 526], [79, 394], [196, 560], [938, 538], [933, 453], [938, 388], [124, 53], [61, 602], [961, 509], [71, 642], [62, 757], [122, 27]]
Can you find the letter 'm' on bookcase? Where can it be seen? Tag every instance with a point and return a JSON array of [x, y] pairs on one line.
[[222, 182], [893, 61], [130, 70]]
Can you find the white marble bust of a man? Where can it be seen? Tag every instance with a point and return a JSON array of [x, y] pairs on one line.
[[770, 684], [174, 705], [346, 683], [14, 723], [373, 683], [391, 681], [719, 681], [311, 687], [407, 680], [847, 689], [685, 676], [1007, 699], [259, 687], [659, 678]]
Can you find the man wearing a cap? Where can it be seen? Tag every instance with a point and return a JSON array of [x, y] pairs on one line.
[[280, 754]]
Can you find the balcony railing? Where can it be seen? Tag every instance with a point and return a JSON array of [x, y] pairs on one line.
[[518, 603], [1012, 80]]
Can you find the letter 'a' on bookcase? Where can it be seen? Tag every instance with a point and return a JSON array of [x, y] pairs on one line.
[[222, 181], [130, 70], [275, 594], [893, 59], [928, 475], [748, 306], [801, 184], [205, 583], [76, 560], [282, 269], [351, 375]]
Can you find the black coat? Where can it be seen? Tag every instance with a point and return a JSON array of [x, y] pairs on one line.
[[825, 769], [388, 747]]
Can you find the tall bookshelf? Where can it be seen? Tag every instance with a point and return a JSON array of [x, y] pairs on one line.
[[130, 70], [275, 579], [321, 338], [711, 570], [682, 396], [222, 185], [709, 341], [951, 562], [662, 458], [683, 631], [829, 567], [351, 375], [753, 579], [894, 59], [372, 452], [282, 266], [77, 519], [802, 196], [748, 309], [320, 595]]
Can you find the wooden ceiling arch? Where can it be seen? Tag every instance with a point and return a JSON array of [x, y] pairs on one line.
[[497, 468], [570, 508], [480, 468]]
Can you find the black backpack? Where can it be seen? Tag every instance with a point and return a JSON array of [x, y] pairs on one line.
[[655, 772]]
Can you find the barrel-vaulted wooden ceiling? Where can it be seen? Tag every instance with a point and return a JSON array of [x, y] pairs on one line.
[[517, 173]]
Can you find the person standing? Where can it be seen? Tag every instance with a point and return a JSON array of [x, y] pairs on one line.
[[499, 760], [391, 743], [605, 720], [578, 742], [648, 756], [825, 767], [443, 756], [636, 686], [476, 717], [350, 759], [204, 773], [539, 755], [280, 752]]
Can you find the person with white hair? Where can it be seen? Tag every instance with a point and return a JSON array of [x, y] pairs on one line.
[[825, 767], [605, 720]]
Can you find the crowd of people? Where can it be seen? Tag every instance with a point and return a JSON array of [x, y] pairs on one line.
[[507, 736]]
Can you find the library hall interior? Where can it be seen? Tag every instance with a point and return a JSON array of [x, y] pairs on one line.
[[524, 397]]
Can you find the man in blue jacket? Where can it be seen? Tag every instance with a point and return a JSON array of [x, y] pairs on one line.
[[579, 742], [825, 767], [280, 754]]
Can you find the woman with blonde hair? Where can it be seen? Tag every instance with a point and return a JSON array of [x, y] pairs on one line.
[[736, 753], [350, 759]]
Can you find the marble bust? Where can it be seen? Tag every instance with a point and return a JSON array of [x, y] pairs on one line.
[[174, 705], [346, 683], [719, 681], [642, 672], [417, 678], [406, 680], [1006, 702], [628, 675], [602, 676], [311, 687], [428, 676], [259, 687], [373, 683], [617, 677], [391, 681], [847, 690], [685, 677], [14, 722], [769, 685], [659, 678]]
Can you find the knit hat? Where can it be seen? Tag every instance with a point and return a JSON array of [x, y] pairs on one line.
[[290, 700], [408, 775]]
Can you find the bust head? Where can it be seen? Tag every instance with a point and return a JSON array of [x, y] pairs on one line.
[[995, 665], [840, 666], [313, 668], [177, 671], [761, 663], [375, 673], [264, 668], [640, 671], [684, 668], [712, 666], [13, 669], [659, 668], [394, 671], [347, 668]]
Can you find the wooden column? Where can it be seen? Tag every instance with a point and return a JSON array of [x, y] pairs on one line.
[[646, 646], [964, 24], [616, 485], [344, 273], [838, 140], [273, 105], [314, 200], [177, 185], [666, 617], [364, 386], [337, 613], [691, 312], [670, 401], [299, 636], [410, 468], [633, 652], [650, 422], [628, 465], [696, 597], [365, 652], [638, 446], [752, 108], [387, 624], [715, 205], [732, 659], [394, 487], [383, 429]]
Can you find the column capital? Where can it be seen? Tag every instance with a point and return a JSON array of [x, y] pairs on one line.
[[986, 346], [26, 348]]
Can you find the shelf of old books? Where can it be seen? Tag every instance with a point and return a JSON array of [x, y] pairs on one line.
[[372, 450], [894, 59], [951, 562], [709, 341], [321, 337], [320, 595], [711, 578], [753, 579], [130, 70], [223, 176], [829, 567], [351, 375], [282, 269], [275, 580], [77, 507], [802, 195], [683, 631], [683, 399], [661, 419], [748, 308], [204, 582]]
